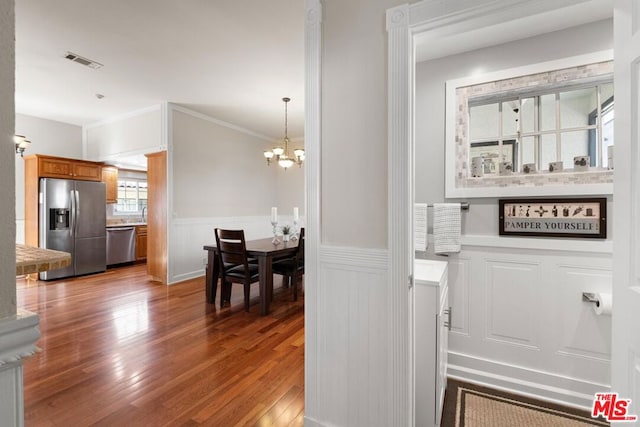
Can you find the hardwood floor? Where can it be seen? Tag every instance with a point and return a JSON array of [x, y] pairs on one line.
[[119, 350]]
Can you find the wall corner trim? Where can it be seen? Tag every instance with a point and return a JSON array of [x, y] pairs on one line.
[[314, 399]]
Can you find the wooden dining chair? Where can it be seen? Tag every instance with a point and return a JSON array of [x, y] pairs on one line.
[[234, 264], [292, 269]]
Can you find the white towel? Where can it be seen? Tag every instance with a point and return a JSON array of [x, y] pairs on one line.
[[446, 227], [420, 227]]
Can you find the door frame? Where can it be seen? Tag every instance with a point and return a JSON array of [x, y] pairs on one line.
[[625, 345], [429, 22]]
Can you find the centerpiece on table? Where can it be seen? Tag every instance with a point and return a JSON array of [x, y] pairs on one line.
[[286, 232]]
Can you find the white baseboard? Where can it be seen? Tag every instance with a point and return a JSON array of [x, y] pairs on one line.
[[187, 276], [310, 422], [540, 385]]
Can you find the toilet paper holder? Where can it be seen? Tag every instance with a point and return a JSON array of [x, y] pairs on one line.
[[590, 297], [602, 302]]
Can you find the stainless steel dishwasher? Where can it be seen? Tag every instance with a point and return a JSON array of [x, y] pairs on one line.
[[121, 245]]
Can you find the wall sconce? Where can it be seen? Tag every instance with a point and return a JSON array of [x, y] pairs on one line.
[[22, 143]]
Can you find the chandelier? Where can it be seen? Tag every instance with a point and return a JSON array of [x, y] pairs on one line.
[[22, 143], [282, 154]]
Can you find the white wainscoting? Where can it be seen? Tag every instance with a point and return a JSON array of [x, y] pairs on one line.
[[18, 335], [352, 362], [187, 259], [519, 322], [20, 231], [12, 403]]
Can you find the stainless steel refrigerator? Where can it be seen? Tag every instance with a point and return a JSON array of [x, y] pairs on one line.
[[72, 219]]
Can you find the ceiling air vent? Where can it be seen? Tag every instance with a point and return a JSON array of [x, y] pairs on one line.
[[82, 60]]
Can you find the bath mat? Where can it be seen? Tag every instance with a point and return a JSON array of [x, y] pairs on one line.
[[468, 405]]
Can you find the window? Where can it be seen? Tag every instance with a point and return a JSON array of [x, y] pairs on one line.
[[543, 127], [132, 195]]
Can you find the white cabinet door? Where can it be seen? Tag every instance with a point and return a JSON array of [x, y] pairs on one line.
[[431, 340], [442, 348]]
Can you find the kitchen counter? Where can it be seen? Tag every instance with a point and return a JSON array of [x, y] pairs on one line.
[[127, 224], [34, 260], [429, 272]]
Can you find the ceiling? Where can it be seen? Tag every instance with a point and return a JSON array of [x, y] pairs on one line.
[[450, 40], [233, 60]]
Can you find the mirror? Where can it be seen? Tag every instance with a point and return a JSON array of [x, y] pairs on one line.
[[520, 127], [551, 127]]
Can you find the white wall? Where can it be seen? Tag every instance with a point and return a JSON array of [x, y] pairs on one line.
[[518, 318], [219, 171], [47, 137], [133, 133], [220, 179], [354, 123]]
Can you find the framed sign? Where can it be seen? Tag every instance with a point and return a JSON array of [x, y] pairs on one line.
[[554, 217]]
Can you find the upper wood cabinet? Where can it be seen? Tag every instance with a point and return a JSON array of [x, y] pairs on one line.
[[51, 167], [87, 171], [110, 178], [58, 167]]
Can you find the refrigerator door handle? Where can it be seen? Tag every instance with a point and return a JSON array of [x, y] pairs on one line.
[[77, 197], [72, 200]]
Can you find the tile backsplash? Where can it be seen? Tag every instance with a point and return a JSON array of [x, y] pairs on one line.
[[114, 219]]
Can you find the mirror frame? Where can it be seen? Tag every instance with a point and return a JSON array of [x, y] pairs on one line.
[[458, 183]]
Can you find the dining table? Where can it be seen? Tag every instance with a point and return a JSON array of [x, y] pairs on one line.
[[265, 251]]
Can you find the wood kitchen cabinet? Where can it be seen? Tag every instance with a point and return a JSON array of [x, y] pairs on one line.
[[57, 167], [157, 219], [110, 179], [141, 242]]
